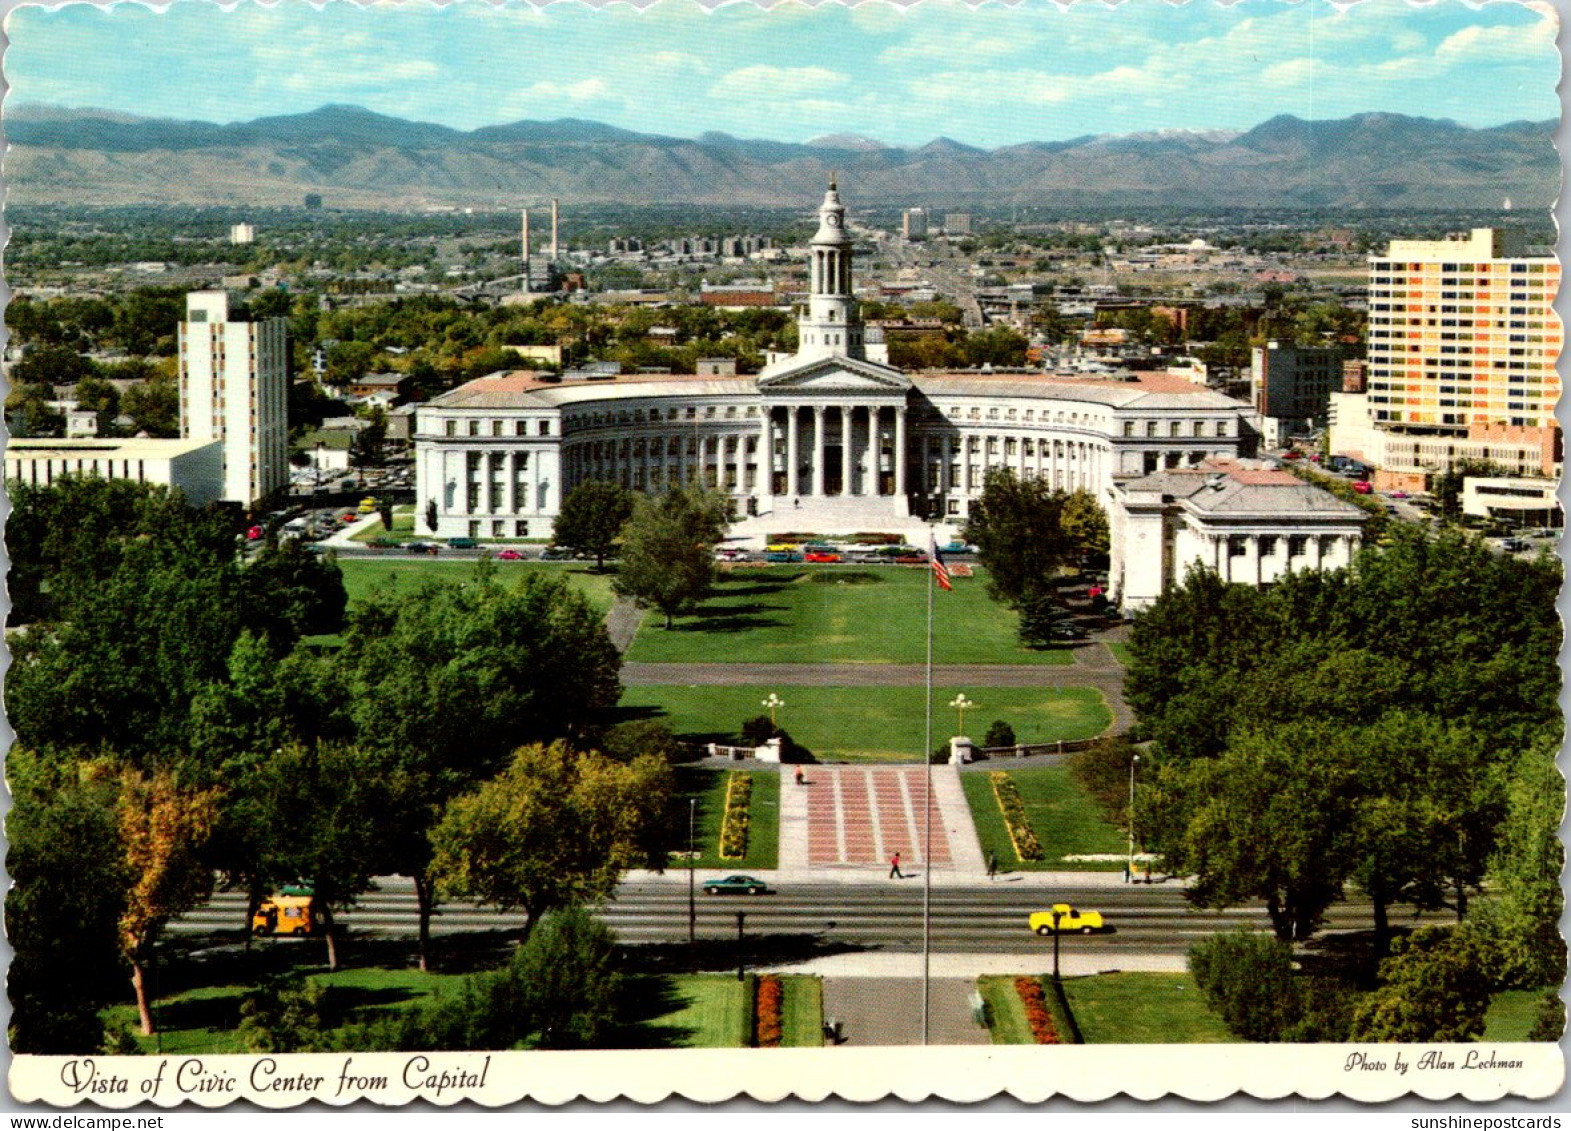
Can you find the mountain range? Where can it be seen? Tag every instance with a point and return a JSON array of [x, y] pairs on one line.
[[359, 159]]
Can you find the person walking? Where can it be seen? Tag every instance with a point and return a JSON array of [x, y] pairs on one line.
[[894, 867], [992, 865], [799, 778]]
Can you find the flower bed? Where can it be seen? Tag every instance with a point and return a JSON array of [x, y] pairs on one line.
[[1035, 1002], [770, 1012], [733, 828], [1013, 807]]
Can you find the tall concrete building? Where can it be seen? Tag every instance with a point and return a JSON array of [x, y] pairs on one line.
[[913, 224], [1291, 386], [234, 385]]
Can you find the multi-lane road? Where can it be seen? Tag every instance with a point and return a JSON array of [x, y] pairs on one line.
[[807, 918]]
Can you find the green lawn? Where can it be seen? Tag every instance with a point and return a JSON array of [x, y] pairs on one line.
[[710, 1013], [1066, 820], [1143, 1009], [1121, 652], [1511, 1015], [839, 614], [708, 787], [803, 1023], [364, 576], [204, 1020], [877, 722], [1006, 1013]]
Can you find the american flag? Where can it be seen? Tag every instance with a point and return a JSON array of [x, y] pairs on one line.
[[940, 570]]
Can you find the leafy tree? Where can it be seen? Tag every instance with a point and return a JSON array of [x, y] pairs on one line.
[[298, 593], [321, 813], [163, 827], [96, 395], [48, 366], [999, 733], [554, 828], [627, 741], [1524, 918], [1269, 819], [154, 407], [567, 978], [29, 412], [667, 559], [1085, 522], [1016, 526], [1247, 979], [591, 517], [367, 448], [62, 912], [1433, 988], [448, 678]]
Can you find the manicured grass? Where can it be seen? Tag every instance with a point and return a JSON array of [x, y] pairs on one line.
[[1511, 1015], [708, 787], [839, 614], [365, 576], [1064, 817], [1143, 1009], [711, 1013], [1006, 1013], [878, 722], [204, 1020], [802, 1023], [1122, 652]]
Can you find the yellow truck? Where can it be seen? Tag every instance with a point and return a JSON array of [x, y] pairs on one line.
[[291, 911], [368, 506]]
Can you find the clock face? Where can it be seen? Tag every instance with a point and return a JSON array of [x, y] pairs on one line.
[[833, 220]]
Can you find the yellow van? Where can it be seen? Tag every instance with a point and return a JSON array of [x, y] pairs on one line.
[[367, 506], [291, 912]]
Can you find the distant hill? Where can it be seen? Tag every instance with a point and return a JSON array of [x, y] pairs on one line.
[[359, 159]]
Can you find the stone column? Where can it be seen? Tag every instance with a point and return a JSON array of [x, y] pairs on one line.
[[901, 487], [818, 450], [845, 451], [793, 450], [943, 469], [765, 474]]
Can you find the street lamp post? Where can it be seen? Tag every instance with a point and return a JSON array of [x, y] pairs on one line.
[[692, 869], [774, 703], [1133, 762], [1056, 934], [961, 704]]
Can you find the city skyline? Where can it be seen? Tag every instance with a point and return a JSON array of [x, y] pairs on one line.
[[987, 77]]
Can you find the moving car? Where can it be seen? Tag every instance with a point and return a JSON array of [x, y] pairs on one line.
[[1069, 919], [509, 556], [462, 543], [555, 554], [736, 885]]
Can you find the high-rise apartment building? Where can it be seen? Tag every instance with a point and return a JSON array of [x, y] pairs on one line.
[[234, 385], [1463, 334], [913, 224]]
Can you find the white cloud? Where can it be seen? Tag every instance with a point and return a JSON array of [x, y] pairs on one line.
[[1478, 44], [586, 90], [764, 82]]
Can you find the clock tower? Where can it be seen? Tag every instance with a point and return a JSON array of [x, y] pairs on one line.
[[831, 326]]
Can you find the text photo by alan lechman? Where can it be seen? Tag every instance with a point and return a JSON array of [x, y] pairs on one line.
[[555, 549]]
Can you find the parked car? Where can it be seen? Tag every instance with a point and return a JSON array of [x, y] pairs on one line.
[[782, 556], [422, 547], [736, 885], [509, 556], [1399, 494], [1065, 918], [821, 557], [729, 554], [556, 554], [462, 543], [1364, 487]]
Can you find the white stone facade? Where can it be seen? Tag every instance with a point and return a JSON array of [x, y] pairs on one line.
[[1247, 524], [830, 438], [194, 467]]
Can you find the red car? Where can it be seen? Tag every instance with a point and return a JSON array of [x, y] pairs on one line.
[[821, 556], [1364, 487], [911, 559], [509, 556]]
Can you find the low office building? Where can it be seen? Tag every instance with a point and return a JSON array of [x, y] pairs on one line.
[[194, 467], [1246, 522]]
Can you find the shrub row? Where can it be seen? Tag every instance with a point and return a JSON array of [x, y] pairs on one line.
[[770, 1014], [733, 829], [1035, 1002], [1013, 807]]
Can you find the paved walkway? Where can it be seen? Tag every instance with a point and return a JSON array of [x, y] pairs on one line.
[[857, 817], [621, 625], [888, 1011]]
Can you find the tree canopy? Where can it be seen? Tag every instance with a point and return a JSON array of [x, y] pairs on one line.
[[592, 517], [667, 560]]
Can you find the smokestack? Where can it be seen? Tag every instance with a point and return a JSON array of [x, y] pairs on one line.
[[526, 238], [555, 248]]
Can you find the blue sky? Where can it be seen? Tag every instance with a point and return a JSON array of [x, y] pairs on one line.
[[988, 76]]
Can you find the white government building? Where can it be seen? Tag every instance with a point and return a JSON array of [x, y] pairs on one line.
[[830, 440]]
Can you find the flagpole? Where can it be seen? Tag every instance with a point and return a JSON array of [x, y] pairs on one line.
[[927, 792]]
